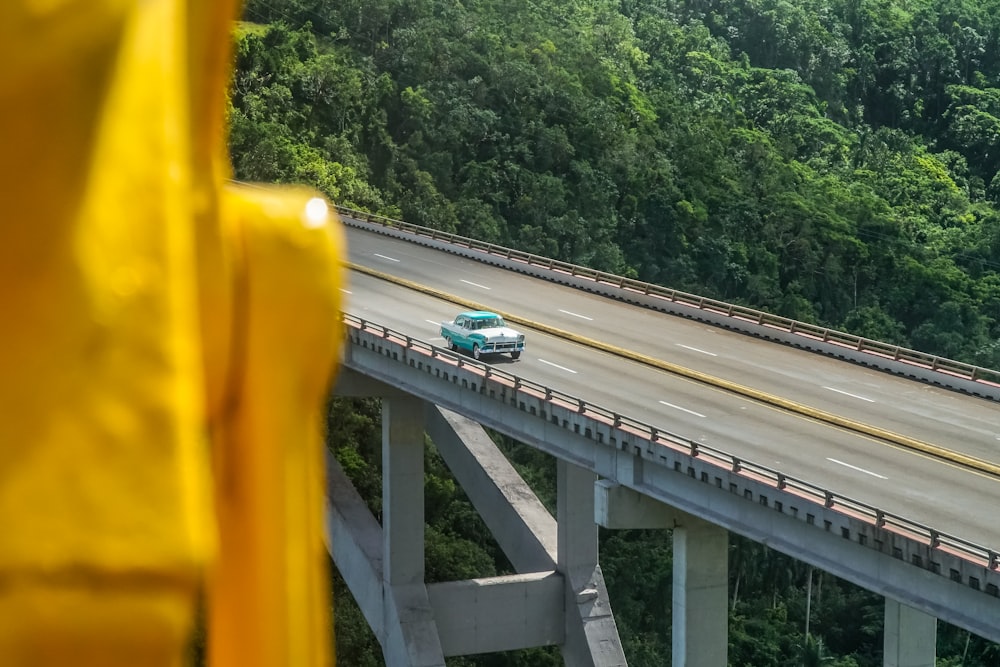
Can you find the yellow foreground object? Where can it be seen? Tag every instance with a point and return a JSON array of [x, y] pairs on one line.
[[166, 343]]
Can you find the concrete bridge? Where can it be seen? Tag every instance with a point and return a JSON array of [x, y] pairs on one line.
[[616, 471]]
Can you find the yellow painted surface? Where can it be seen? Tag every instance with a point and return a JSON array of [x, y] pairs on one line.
[[166, 344], [272, 584]]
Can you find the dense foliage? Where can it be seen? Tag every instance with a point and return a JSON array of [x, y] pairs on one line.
[[835, 161]]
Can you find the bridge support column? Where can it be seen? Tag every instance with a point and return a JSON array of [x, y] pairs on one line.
[[558, 596], [701, 594], [411, 637], [910, 636], [701, 571], [589, 622]]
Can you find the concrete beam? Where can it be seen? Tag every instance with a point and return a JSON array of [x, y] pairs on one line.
[[411, 638], [401, 616], [352, 384], [521, 525], [619, 507], [354, 542], [499, 613], [591, 634]]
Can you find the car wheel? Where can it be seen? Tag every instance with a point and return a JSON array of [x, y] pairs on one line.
[[475, 351], [450, 345], [515, 355]]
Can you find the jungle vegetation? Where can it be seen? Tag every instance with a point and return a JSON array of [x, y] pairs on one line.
[[833, 161]]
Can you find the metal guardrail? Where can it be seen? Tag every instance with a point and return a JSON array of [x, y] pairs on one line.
[[935, 539], [738, 313]]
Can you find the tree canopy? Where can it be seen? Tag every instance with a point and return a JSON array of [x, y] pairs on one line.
[[833, 161], [821, 160]]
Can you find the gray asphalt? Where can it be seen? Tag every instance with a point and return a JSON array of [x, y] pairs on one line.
[[935, 493]]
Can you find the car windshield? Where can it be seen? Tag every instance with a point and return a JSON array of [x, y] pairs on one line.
[[489, 323]]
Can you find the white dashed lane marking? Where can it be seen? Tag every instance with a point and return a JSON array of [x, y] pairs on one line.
[[677, 407], [694, 349], [847, 393], [562, 368], [582, 317], [848, 465]]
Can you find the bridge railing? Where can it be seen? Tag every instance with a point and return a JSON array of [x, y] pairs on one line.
[[984, 381], [933, 538]]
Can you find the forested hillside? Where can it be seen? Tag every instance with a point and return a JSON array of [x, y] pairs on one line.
[[834, 161]]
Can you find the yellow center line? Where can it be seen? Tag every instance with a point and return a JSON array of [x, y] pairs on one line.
[[726, 385]]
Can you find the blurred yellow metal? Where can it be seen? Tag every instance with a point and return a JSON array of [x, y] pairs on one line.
[[165, 347], [272, 585]]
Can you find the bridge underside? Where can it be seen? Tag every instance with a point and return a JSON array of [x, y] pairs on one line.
[[558, 596]]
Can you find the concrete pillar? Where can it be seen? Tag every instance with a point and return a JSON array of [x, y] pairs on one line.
[[577, 541], [403, 490], [910, 637], [591, 634], [411, 637], [701, 595]]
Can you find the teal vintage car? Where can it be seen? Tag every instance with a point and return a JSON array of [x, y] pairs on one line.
[[482, 332]]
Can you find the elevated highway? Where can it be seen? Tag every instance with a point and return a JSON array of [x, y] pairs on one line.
[[921, 454]]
